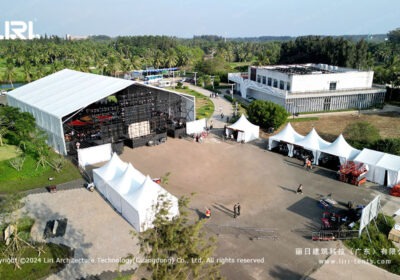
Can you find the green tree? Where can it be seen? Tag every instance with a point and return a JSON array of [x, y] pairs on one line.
[[267, 114], [361, 134], [9, 74], [179, 239]]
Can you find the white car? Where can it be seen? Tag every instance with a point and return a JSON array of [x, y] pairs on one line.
[[3, 92]]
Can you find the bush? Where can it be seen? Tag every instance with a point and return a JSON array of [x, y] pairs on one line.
[[361, 134], [390, 145], [267, 114], [378, 249]]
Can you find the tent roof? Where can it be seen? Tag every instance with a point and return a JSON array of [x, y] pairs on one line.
[[341, 148], [313, 141], [390, 162], [129, 181], [115, 166], [242, 124], [368, 156], [288, 134], [67, 90]]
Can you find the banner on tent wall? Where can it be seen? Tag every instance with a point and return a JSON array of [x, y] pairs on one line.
[[139, 129], [93, 155], [196, 126]]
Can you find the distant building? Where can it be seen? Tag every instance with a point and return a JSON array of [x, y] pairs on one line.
[[76, 37], [310, 87]]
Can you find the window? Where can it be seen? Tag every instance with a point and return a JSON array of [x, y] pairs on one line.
[[258, 79], [288, 86], [281, 84], [275, 83], [264, 80], [332, 86], [270, 81]]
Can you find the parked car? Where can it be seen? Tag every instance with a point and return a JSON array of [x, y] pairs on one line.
[[3, 92]]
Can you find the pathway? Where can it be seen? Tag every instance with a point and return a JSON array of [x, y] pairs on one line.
[[221, 105]]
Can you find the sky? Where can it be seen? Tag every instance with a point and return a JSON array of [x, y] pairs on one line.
[[186, 18]]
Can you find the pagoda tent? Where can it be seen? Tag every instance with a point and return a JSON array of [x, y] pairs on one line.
[[130, 180], [391, 165], [246, 131], [287, 135], [314, 143], [102, 176], [139, 206], [341, 149]]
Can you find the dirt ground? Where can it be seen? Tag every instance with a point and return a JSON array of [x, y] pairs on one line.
[[329, 127], [275, 224]]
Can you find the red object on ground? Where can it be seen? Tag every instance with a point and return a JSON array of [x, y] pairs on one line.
[[395, 191]]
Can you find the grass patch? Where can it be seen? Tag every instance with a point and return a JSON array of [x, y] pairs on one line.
[[379, 250], [13, 181], [8, 152], [40, 267], [204, 105], [305, 119]]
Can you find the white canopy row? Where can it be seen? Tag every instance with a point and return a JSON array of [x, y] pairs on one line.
[[131, 193], [381, 165]]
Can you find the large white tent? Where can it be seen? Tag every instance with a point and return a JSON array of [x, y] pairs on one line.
[[313, 142], [391, 164], [246, 130], [287, 135], [53, 97], [371, 158], [132, 194], [341, 149]]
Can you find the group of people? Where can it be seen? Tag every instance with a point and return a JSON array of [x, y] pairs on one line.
[[213, 94]]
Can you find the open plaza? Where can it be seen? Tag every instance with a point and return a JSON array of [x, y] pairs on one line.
[[271, 239]]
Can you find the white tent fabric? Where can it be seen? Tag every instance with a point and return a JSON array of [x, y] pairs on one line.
[[313, 142], [391, 163], [55, 96], [131, 193], [93, 155], [246, 130], [341, 149], [112, 169], [197, 126], [144, 201], [287, 135], [130, 180], [371, 158]]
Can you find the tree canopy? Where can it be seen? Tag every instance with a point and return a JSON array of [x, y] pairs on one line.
[[267, 114]]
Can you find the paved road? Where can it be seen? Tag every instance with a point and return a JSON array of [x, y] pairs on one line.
[[221, 105]]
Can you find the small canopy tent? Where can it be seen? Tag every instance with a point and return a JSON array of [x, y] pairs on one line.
[[287, 135], [391, 165], [246, 130], [313, 142], [341, 149], [371, 158]]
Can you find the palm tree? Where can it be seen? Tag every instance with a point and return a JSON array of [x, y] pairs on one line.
[[9, 74], [171, 58], [27, 71]]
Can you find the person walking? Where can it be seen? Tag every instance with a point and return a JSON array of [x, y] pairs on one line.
[[235, 211], [300, 189], [238, 209], [208, 213]]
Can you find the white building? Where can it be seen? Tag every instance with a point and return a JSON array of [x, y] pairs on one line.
[[310, 87]]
